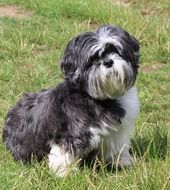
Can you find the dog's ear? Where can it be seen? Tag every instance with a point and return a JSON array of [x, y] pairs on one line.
[[131, 47], [68, 62], [134, 44], [136, 48]]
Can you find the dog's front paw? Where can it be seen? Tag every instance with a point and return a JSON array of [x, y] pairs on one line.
[[62, 162], [126, 162]]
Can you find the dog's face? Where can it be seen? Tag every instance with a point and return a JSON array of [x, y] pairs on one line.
[[103, 63]]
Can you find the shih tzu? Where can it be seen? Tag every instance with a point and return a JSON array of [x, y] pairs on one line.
[[96, 105]]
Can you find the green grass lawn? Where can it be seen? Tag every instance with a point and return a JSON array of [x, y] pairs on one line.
[[30, 51]]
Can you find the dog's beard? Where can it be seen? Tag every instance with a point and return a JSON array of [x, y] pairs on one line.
[[112, 82]]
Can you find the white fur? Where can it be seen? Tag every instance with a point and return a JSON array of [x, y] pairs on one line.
[[105, 37], [115, 143], [60, 160], [119, 65], [109, 82]]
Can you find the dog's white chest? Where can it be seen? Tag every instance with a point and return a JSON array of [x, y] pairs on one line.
[[112, 138]]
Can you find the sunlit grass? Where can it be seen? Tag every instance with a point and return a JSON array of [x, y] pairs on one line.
[[31, 50]]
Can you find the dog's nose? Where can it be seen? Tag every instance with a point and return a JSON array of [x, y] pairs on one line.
[[108, 63]]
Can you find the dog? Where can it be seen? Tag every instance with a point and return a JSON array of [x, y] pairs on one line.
[[96, 105]]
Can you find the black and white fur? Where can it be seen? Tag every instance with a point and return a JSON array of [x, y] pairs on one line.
[[95, 106]]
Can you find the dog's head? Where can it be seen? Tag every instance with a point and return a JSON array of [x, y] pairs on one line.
[[103, 63]]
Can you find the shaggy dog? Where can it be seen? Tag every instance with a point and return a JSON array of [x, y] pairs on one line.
[[96, 105]]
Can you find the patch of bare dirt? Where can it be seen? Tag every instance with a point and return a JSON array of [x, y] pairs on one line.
[[148, 11], [152, 68], [14, 12], [122, 3]]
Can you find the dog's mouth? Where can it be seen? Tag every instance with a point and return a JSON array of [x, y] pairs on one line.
[[112, 87], [106, 83]]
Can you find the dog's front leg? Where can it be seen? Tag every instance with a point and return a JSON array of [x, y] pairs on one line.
[[118, 148], [124, 159], [61, 161]]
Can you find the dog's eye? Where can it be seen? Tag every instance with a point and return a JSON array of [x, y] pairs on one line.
[[94, 57], [109, 49]]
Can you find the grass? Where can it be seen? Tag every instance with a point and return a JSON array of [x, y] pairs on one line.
[[31, 49]]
